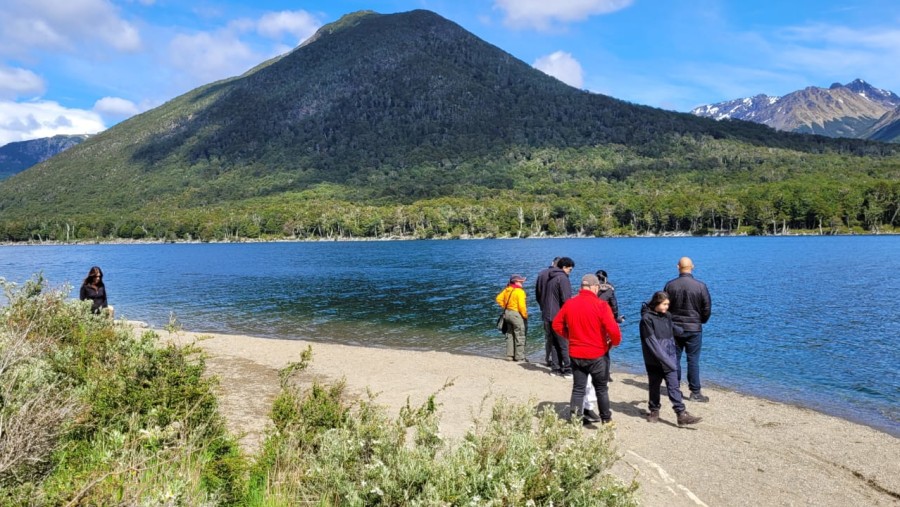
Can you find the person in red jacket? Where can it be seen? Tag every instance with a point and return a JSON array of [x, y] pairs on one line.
[[587, 323]]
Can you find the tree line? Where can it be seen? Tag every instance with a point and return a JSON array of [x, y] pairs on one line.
[[800, 206]]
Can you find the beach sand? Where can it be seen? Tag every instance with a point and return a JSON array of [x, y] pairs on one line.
[[747, 451]]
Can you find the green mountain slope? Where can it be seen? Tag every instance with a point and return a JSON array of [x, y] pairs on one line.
[[386, 111]]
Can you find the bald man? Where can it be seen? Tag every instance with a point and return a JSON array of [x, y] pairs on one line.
[[690, 306]]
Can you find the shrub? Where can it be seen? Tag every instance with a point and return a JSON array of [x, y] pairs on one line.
[[328, 451], [94, 415]]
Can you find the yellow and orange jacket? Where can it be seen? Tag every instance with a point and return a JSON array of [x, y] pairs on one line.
[[513, 298]]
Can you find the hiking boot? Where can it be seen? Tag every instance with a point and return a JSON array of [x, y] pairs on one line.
[[698, 396], [591, 417], [685, 418], [653, 416]]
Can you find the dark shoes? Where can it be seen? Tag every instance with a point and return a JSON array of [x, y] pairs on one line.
[[653, 416], [698, 396], [590, 416], [684, 418]]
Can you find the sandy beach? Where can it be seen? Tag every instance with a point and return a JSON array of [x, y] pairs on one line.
[[747, 451]]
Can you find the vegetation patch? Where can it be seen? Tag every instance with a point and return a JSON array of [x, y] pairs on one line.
[[91, 414]]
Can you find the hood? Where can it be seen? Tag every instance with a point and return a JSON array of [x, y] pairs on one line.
[[645, 309], [554, 272]]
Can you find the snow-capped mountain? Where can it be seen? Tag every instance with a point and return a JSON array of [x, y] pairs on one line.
[[850, 110]]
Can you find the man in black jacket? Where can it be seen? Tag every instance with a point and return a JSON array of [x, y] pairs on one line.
[[557, 291], [540, 286], [690, 306]]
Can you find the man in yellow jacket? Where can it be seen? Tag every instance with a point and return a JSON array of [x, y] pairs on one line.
[[515, 316]]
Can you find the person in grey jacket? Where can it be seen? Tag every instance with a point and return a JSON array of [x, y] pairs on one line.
[[691, 307], [658, 347]]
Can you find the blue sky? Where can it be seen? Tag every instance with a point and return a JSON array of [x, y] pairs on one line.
[[79, 66]]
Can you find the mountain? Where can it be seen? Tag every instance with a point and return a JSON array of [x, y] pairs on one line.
[[887, 128], [17, 156], [849, 110], [377, 115]]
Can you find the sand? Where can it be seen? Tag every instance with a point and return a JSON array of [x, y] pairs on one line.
[[747, 451]]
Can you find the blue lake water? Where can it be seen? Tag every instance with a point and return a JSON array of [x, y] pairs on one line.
[[813, 321]]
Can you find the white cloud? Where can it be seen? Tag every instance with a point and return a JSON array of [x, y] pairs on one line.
[[70, 25], [204, 57], [298, 24], [837, 53], [116, 108], [21, 121], [562, 66], [543, 14], [16, 82], [208, 57]]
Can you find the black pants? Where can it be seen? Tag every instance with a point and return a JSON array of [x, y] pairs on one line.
[[598, 369]]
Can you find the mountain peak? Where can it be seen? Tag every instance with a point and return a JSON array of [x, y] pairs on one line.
[[850, 110]]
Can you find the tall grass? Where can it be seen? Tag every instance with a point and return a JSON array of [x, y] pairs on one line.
[[93, 414]]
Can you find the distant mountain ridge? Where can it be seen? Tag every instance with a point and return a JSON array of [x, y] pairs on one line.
[[17, 156], [854, 110]]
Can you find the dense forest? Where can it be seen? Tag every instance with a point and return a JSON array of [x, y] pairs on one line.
[[727, 188]]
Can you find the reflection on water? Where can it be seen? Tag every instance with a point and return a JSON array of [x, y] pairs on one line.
[[804, 320]]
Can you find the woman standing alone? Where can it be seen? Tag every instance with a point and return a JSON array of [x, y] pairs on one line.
[[94, 290]]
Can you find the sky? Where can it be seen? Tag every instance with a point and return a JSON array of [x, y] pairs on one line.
[[81, 66]]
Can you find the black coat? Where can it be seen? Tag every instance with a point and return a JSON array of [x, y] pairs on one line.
[[658, 339], [690, 304], [557, 291], [97, 295], [608, 293]]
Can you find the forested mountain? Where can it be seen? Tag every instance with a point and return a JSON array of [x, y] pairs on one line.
[[406, 124], [851, 110], [17, 156]]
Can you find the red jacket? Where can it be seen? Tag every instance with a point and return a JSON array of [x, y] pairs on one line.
[[587, 322]]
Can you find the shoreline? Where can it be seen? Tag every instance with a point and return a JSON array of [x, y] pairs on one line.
[[722, 234], [617, 368], [747, 450]]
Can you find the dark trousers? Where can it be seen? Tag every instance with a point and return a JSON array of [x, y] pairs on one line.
[[561, 348], [690, 342], [598, 370], [656, 375], [549, 352]]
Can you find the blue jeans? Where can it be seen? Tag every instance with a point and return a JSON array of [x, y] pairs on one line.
[[598, 370], [692, 343]]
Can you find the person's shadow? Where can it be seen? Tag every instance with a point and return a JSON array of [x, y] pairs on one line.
[[634, 383]]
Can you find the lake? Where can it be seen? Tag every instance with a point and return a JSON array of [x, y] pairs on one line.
[[811, 321]]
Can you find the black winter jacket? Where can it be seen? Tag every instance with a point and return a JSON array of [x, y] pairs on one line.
[[608, 293], [97, 295], [658, 339], [557, 291], [690, 304]]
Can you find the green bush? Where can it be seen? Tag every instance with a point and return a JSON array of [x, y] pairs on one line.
[[326, 450], [95, 415], [101, 417]]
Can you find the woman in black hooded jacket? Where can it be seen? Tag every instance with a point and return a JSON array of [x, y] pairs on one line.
[[660, 359]]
